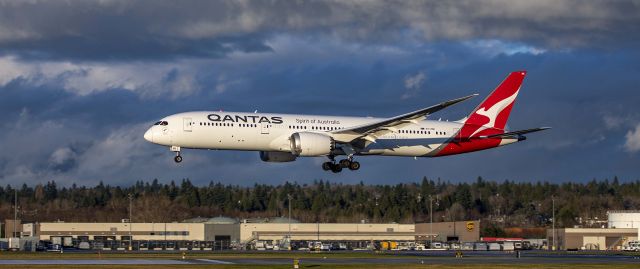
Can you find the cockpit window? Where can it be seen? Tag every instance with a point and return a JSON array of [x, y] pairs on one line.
[[163, 123], [157, 123]]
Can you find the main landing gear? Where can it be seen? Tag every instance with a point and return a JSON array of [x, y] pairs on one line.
[[337, 167]]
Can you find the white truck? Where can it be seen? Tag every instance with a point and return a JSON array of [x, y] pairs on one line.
[[14, 244]]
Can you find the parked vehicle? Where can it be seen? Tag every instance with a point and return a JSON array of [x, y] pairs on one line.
[[67, 241], [632, 246], [54, 248], [406, 246], [260, 245], [84, 245], [389, 245], [518, 245]]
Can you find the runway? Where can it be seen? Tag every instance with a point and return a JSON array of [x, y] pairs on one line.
[[399, 258]]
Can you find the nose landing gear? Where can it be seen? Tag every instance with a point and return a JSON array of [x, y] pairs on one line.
[[177, 158]]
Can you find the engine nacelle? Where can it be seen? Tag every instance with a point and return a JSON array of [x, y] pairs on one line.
[[276, 156], [311, 144]]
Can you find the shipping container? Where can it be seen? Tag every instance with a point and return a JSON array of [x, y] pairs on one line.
[[480, 246], [467, 246], [508, 246]]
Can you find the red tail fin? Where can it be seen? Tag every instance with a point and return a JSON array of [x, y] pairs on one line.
[[494, 111]]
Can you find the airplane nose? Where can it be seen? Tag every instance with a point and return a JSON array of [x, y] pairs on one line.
[[148, 135]]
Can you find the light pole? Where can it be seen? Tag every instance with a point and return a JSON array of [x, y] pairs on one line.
[[15, 214], [130, 222], [289, 236], [430, 221], [553, 217]]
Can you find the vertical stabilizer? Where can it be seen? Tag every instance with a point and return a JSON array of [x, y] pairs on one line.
[[494, 111]]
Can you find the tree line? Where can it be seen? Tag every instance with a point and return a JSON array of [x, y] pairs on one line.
[[497, 204]]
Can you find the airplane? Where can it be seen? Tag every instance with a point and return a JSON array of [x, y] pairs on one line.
[[285, 137]]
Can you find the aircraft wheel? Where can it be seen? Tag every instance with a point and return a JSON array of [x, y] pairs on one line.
[[353, 166], [345, 163], [178, 159], [326, 166], [336, 168]]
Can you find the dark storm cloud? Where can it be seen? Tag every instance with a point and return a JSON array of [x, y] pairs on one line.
[[99, 30], [76, 91]]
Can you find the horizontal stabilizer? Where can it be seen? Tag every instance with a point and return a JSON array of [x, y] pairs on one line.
[[516, 133]]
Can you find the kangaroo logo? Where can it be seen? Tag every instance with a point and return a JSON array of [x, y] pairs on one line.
[[493, 112]]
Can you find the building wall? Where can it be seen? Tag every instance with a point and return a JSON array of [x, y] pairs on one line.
[[465, 231], [327, 231], [139, 231]]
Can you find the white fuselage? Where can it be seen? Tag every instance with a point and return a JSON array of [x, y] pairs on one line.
[[272, 132]]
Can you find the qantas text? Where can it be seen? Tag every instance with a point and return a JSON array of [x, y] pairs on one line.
[[246, 119]]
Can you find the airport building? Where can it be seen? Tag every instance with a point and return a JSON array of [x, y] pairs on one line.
[[223, 233], [623, 227]]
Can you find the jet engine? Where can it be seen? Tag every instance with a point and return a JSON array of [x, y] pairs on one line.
[[276, 156], [311, 144]]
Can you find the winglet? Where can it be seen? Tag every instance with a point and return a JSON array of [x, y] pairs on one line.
[[458, 100], [446, 104]]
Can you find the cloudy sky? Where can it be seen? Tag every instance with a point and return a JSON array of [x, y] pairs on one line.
[[80, 81]]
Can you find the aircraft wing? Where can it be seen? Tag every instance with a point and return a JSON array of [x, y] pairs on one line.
[[516, 133], [370, 132]]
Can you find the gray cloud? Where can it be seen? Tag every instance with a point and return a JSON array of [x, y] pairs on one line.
[[413, 83], [117, 30], [632, 142]]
